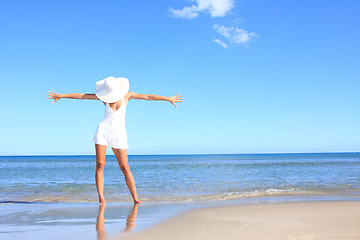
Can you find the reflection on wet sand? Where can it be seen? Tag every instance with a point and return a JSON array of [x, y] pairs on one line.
[[100, 221], [131, 219]]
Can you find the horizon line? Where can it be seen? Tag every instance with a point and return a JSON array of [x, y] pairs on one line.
[[152, 154]]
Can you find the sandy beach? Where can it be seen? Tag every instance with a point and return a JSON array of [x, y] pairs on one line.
[[301, 221]]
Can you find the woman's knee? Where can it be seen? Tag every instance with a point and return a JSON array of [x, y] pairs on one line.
[[100, 166], [125, 169]]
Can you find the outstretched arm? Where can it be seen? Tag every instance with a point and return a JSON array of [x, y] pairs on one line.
[[174, 99], [57, 96]]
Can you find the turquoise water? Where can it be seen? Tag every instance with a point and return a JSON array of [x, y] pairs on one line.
[[180, 178]]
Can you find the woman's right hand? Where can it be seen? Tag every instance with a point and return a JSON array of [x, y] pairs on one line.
[[53, 95]]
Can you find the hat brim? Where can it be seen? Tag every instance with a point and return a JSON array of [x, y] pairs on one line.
[[112, 97]]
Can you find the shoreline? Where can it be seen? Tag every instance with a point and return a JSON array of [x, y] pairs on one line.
[[82, 220], [229, 198]]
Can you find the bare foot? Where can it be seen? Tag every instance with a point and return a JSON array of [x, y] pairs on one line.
[[137, 202], [102, 202]]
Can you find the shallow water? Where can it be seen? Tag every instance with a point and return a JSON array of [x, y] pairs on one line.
[[180, 178]]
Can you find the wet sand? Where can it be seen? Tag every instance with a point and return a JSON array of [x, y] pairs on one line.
[[300, 221], [77, 221]]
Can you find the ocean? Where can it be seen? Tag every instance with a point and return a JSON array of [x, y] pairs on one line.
[[180, 178]]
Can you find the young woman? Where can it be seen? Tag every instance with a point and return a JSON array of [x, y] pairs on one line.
[[114, 93]]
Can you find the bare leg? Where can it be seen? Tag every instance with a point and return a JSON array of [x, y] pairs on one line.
[[122, 158], [99, 174]]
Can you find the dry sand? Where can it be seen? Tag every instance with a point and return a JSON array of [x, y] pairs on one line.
[[300, 221]]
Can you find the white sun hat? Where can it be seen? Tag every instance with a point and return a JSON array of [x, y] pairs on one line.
[[112, 89]]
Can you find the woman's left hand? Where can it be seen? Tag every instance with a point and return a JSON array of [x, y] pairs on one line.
[[175, 99]]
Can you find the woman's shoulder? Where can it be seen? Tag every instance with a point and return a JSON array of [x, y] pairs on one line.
[[128, 95]]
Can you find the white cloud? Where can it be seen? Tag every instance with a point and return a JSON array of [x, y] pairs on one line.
[[186, 12], [216, 8], [225, 31], [221, 43], [234, 34]]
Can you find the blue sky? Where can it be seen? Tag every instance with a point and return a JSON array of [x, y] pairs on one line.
[[256, 76]]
